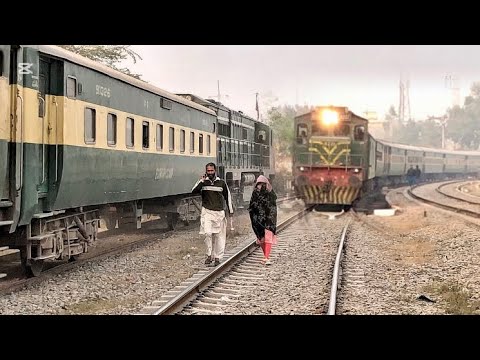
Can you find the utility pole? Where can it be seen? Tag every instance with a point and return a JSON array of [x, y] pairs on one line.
[[443, 124], [451, 82], [218, 96], [256, 106], [404, 105]]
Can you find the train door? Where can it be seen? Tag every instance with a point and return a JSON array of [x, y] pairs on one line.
[[43, 110], [15, 160], [6, 157]]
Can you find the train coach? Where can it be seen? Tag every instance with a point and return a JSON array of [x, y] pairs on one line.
[[244, 149], [336, 160], [80, 142], [390, 161]]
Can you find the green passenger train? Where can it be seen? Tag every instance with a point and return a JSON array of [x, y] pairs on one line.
[[336, 161], [80, 142]]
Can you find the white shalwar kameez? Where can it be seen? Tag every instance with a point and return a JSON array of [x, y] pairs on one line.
[[214, 225]]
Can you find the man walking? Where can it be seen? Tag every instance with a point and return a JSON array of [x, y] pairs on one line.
[[411, 176], [213, 222], [418, 172]]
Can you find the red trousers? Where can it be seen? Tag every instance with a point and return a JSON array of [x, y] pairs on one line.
[[266, 247]]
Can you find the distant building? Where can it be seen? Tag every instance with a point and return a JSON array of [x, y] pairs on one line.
[[379, 129]]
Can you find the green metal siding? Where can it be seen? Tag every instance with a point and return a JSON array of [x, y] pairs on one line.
[[359, 153], [31, 175], [97, 176], [100, 89]]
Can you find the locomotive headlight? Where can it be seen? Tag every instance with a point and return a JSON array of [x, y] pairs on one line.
[[329, 117], [356, 170], [302, 168]]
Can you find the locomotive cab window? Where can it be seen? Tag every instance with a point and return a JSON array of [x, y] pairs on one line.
[[342, 130], [71, 87], [302, 134], [320, 129], [90, 119], [145, 135], [208, 145], [200, 143], [262, 135], [359, 134]]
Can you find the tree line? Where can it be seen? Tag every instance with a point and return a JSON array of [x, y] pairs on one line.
[[462, 125]]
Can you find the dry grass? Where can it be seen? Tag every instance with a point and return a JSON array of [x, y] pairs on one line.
[[94, 306], [456, 299], [405, 222], [414, 251]]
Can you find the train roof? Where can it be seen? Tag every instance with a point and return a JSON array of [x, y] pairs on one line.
[[426, 149], [210, 102], [80, 60], [341, 108]]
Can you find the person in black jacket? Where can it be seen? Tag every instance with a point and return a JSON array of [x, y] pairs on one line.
[[418, 172], [263, 215], [213, 224]]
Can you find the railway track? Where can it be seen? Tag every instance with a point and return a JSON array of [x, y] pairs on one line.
[[12, 285], [149, 233], [10, 265], [210, 291], [445, 200]]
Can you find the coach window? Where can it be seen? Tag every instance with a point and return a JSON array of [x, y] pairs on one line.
[[171, 139], [182, 140], [159, 137], [200, 143], [145, 134], [111, 129], [192, 142], [130, 133], [71, 87], [208, 145], [90, 118], [359, 134]]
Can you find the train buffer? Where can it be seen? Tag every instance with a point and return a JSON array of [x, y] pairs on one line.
[[5, 251]]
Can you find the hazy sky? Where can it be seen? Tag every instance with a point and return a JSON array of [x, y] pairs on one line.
[[360, 77]]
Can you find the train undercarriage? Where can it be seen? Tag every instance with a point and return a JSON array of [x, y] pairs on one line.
[[64, 235]]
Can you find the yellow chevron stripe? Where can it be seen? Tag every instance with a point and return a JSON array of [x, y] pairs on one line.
[[339, 154]]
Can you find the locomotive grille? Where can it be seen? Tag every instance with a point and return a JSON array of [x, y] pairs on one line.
[[330, 152]]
